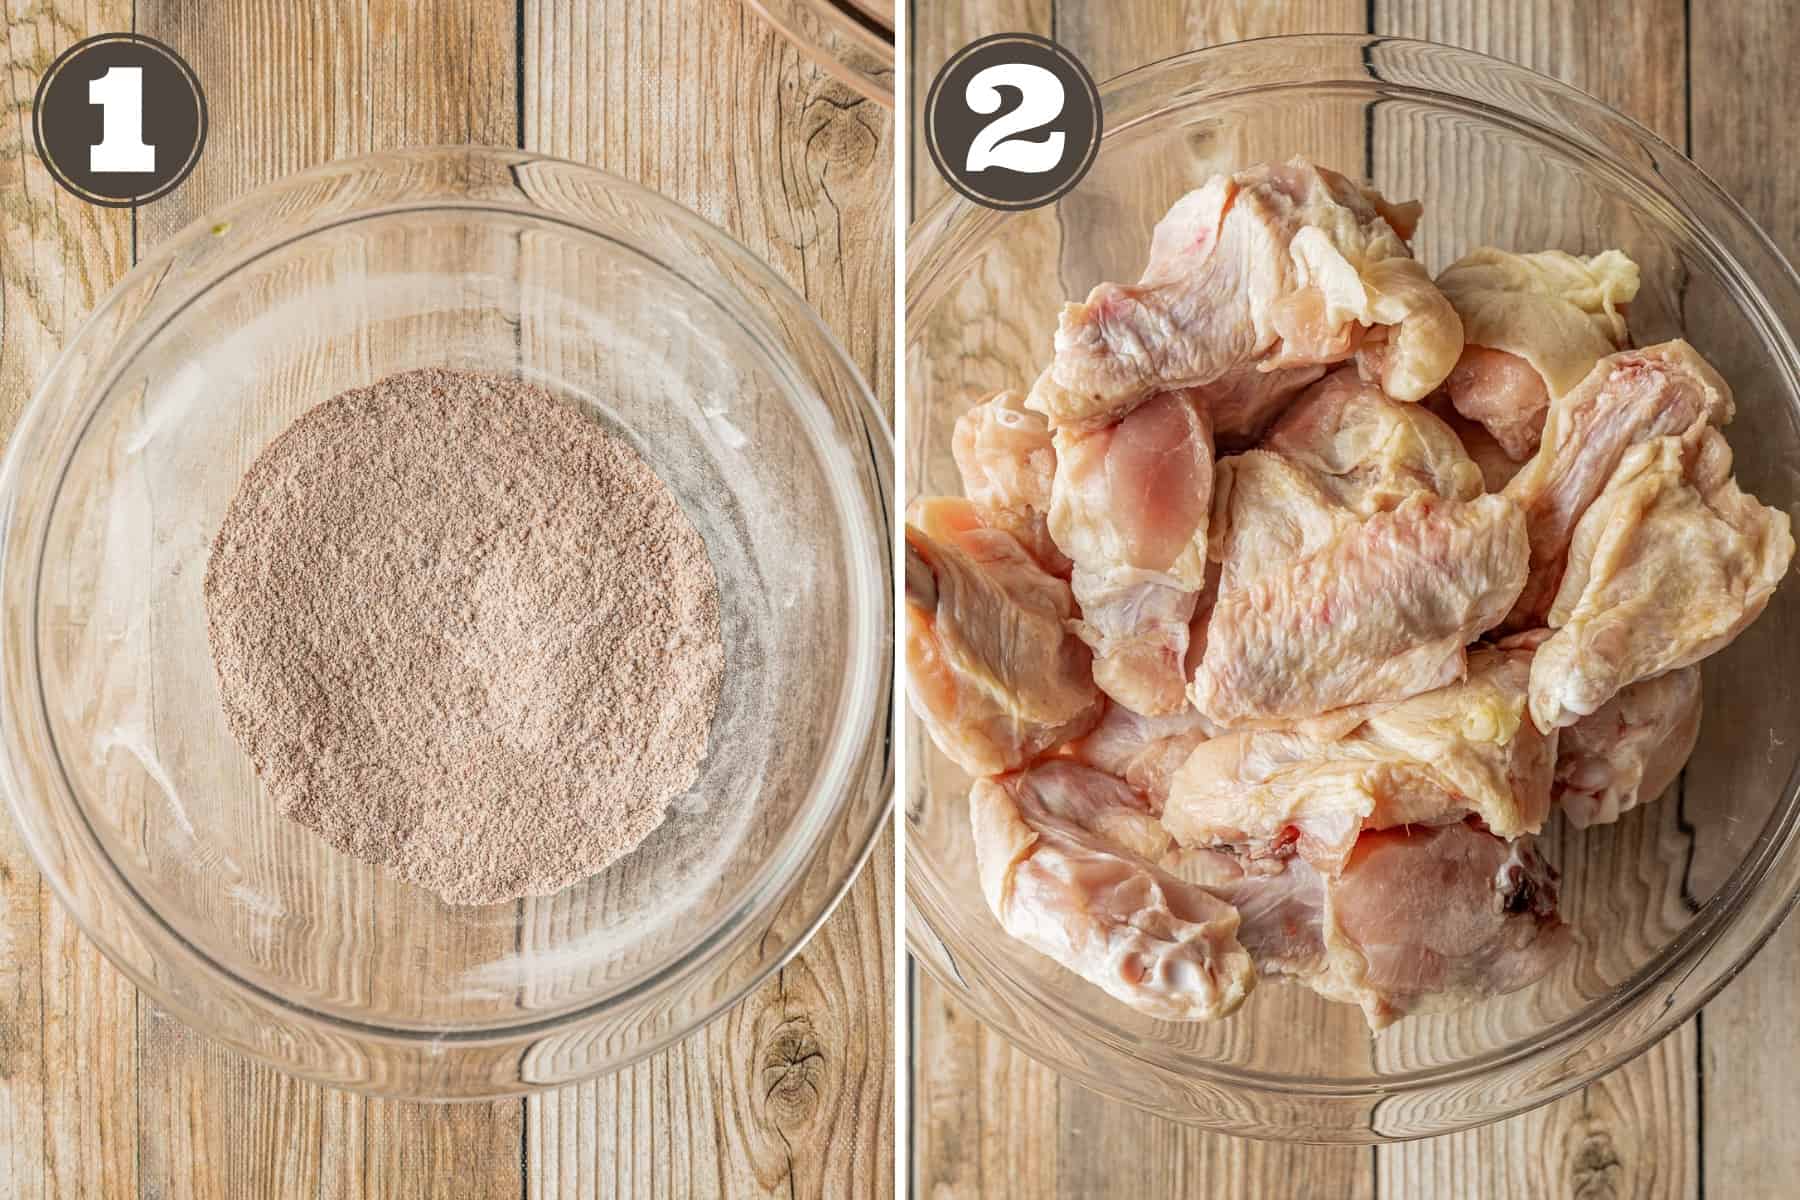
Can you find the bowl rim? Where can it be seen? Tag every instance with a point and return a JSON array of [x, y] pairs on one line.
[[866, 740], [838, 20], [952, 223]]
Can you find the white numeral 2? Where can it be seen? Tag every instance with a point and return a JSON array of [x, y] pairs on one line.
[[120, 95], [1042, 102]]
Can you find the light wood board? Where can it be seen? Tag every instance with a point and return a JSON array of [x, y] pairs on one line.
[[1705, 1112], [791, 1094]]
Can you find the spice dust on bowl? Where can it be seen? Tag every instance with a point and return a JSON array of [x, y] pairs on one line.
[[465, 633], [447, 618]]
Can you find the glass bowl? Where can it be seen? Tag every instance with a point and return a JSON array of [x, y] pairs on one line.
[[149, 822], [853, 39], [1668, 903]]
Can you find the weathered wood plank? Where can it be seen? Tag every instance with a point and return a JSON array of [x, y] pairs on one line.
[[1636, 1131], [288, 91], [1146, 1156], [1743, 101], [68, 1063], [792, 1092], [984, 1115], [987, 1119]]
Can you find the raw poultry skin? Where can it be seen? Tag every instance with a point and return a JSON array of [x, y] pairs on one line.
[[992, 670], [1668, 565], [1346, 791], [1278, 266], [1129, 507], [1370, 452], [1143, 751], [1418, 920], [1535, 325], [1007, 461], [1497, 467], [1628, 398], [1341, 570], [1466, 749], [1065, 855], [1629, 750], [1382, 612]]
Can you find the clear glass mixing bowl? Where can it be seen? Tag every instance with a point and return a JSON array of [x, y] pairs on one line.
[[853, 39], [1668, 903], [147, 819]]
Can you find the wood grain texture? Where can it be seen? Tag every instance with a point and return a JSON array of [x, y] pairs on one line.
[[790, 1094], [68, 1067], [1749, 1037], [288, 91], [985, 1117], [1637, 1132], [988, 1120]]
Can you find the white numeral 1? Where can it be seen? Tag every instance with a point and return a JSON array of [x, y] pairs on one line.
[[120, 95]]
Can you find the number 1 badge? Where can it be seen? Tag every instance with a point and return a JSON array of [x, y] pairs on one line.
[[120, 119]]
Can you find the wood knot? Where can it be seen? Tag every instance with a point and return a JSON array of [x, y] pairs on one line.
[[793, 1070], [841, 144], [1596, 1171]]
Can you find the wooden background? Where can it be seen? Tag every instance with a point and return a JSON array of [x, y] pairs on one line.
[[791, 1094], [1709, 1112]]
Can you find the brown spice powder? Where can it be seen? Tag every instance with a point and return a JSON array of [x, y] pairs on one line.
[[463, 632]]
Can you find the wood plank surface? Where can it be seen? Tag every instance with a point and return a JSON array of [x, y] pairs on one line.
[[68, 1067], [792, 1093], [1749, 1036], [989, 1121], [1635, 1132]]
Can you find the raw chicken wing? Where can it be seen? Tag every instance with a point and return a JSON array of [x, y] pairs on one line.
[[1534, 324], [1383, 611], [1464, 749], [1137, 623], [1628, 398], [1007, 461], [992, 670], [1630, 750], [1667, 566], [1277, 266], [1137, 493], [1143, 751], [1370, 452], [1065, 858], [1419, 920], [1129, 507]]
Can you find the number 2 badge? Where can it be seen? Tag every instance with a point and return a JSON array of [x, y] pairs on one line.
[[1013, 121]]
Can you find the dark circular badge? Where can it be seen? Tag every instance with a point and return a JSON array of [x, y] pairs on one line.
[[120, 119], [1013, 121]]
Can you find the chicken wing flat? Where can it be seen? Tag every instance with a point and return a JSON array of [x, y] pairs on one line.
[[992, 670], [1419, 920], [1629, 397], [1065, 854], [1667, 566], [1535, 325], [1629, 750], [1466, 749], [1382, 612], [1277, 266], [1007, 461]]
